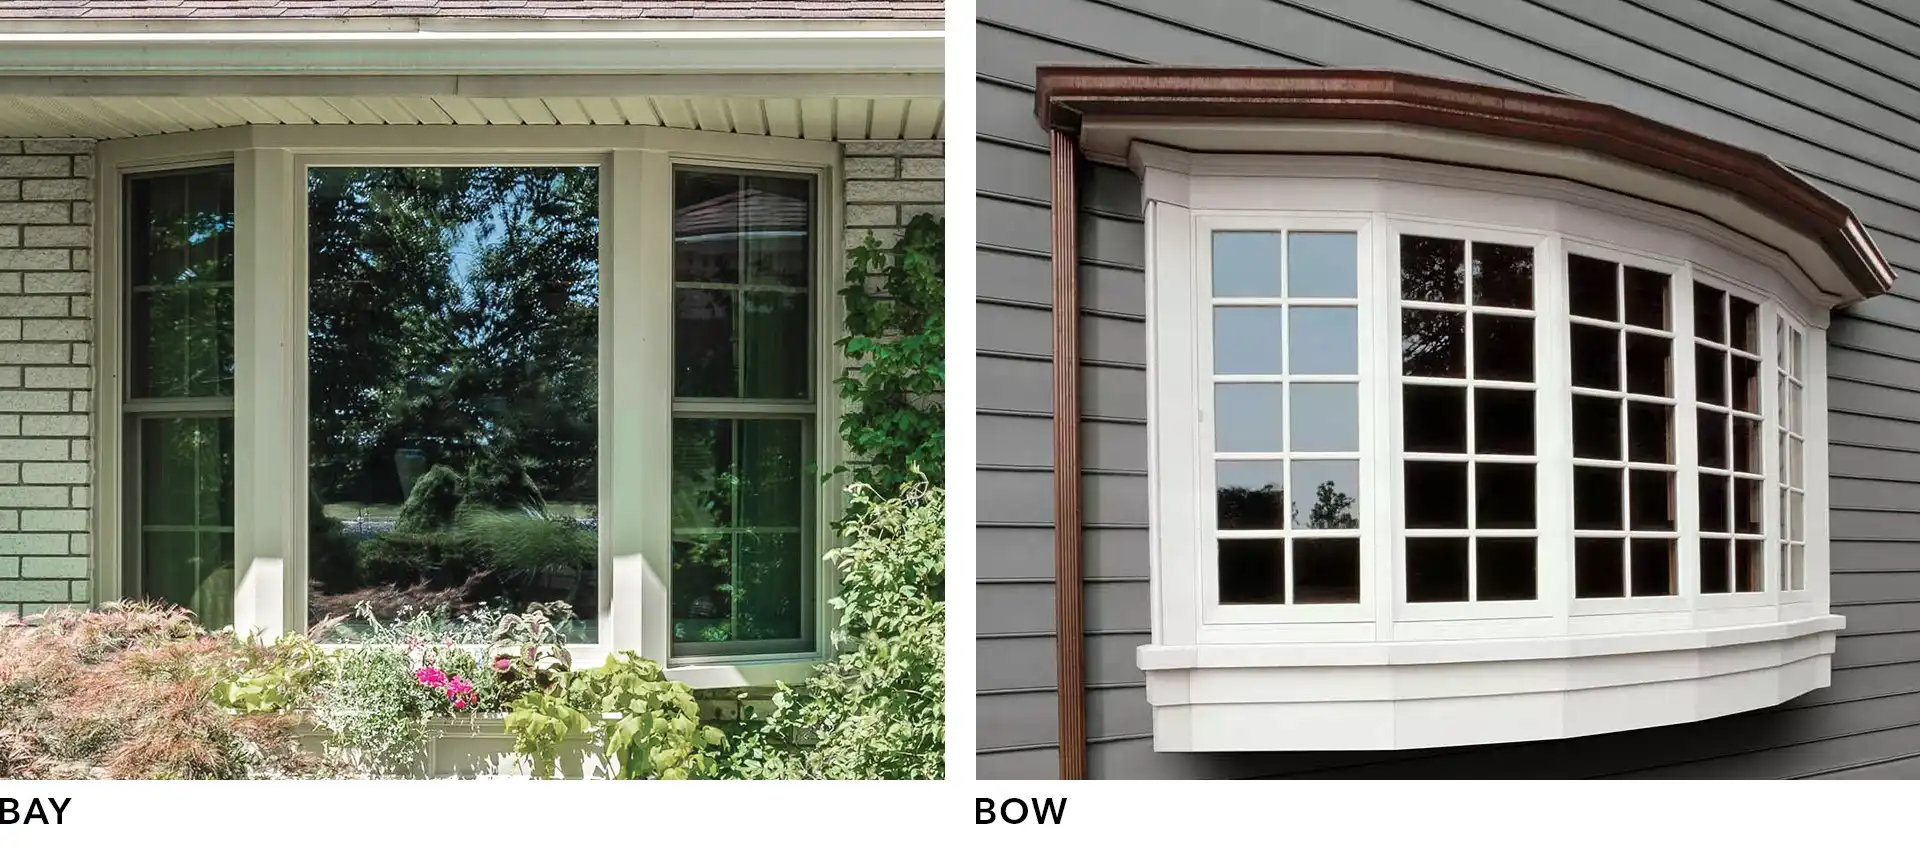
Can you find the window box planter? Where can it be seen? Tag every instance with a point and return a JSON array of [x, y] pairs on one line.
[[479, 747]]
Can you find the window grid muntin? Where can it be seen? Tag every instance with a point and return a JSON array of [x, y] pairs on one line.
[[1469, 383], [1623, 330], [1285, 303], [1754, 541]]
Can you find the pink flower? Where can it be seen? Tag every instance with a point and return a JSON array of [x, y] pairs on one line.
[[460, 704], [502, 663], [430, 677]]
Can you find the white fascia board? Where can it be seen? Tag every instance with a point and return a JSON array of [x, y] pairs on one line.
[[530, 51]]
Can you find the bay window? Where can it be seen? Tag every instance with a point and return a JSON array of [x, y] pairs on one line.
[[405, 369]]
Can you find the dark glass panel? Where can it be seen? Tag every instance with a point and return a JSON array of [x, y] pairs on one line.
[[1253, 572], [1646, 293], [1649, 365], [1502, 276], [1596, 428], [1433, 344], [1714, 570], [1710, 374], [1502, 421], [1746, 506], [1436, 569], [1435, 418], [1436, 495], [1250, 494], [1655, 568], [1651, 501], [1709, 313], [1502, 348], [1326, 571], [1596, 357], [1713, 439], [1326, 494], [1508, 569], [1746, 445], [1599, 568], [1749, 569], [704, 343], [1746, 384], [1432, 269], [1649, 432], [1744, 323], [1503, 495], [1596, 498], [1593, 288], [1713, 503]]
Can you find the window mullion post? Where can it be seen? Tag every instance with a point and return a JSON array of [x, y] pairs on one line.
[[1553, 438], [266, 464], [1813, 418], [1686, 444], [111, 516], [1180, 553], [1769, 428], [1379, 512], [637, 428]]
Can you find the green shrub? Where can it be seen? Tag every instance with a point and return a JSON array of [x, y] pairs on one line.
[[334, 559], [895, 425], [648, 727], [433, 504], [523, 548], [499, 480], [403, 558], [877, 710]]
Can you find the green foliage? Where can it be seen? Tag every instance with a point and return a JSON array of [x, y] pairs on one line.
[[894, 426], [523, 548], [404, 558], [334, 559], [375, 712], [877, 710], [500, 481], [529, 651], [274, 677], [433, 504], [648, 727]]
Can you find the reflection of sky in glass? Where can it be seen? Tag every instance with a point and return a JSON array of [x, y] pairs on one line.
[[1247, 417], [1246, 265], [1246, 340], [1325, 341], [1321, 265], [1326, 417], [1253, 475], [1308, 475]]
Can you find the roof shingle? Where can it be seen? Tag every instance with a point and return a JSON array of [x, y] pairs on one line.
[[573, 9]]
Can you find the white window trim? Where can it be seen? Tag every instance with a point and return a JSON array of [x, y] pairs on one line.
[[636, 363], [1297, 678]]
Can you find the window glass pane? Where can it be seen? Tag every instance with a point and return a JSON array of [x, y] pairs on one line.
[[180, 272], [1655, 568], [1250, 494], [1436, 495], [1747, 566], [1247, 417], [1325, 418], [1593, 288], [1436, 569], [1646, 299], [1247, 265], [1324, 340], [1596, 498], [1599, 568], [1651, 502], [1596, 428], [1713, 439], [1502, 421], [1433, 269], [1506, 568], [1710, 371], [1435, 418], [1433, 344], [743, 264], [1247, 341], [1502, 276], [1326, 494], [1746, 445], [1744, 323], [1746, 384], [1713, 503], [1502, 348], [1746, 506], [1596, 357], [1326, 571], [1715, 576], [1321, 265], [1503, 495], [1649, 365], [1709, 313], [454, 342], [1253, 572], [1649, 432], [740, 532], [186, 515]]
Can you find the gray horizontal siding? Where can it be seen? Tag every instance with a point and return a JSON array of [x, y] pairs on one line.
[[1829, 87]]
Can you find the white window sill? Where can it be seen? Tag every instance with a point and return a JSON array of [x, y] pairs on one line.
[[1414, 694]]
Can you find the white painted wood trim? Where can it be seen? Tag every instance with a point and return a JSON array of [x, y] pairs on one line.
[[269, 397]]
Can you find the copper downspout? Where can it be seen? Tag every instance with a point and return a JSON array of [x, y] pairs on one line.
[[1068, 607]]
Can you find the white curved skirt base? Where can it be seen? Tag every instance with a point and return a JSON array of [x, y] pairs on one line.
[[1396, 696]]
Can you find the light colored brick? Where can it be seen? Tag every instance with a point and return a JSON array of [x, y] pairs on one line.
[[62, 566], [34, 258], [923, 169], [32, 544], [58, 236], [79, 544], [82, 353], [10, 282], [83, 166], [9, 521], [82, 213], [80, 450], [908, 211], [10, 567], [10, 377], [82, 496], [53, 329], [33, 352], [65, 283], [894, 191], [36, 401], [9, 473], [49, 377], [10, 236], [9, 425], [69, 189], [67, 425], [60, 520], [25, 449], [67, 146], [34, 591], [36, 166], [36, 306], [53, 473], [872, 215], [920, 148], [9, 146], [10, 189], [81, 307], [81, 402], [39, 212], [82, 259], [875, 167]]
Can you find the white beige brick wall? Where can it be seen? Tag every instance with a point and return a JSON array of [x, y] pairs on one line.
[[889, 183], [46, 331]]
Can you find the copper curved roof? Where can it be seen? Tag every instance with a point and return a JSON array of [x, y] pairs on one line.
[[1066, 95]]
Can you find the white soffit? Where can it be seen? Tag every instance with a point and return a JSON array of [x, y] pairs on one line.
[[845, 83]]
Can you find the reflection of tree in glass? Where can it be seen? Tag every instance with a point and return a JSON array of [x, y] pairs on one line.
[[1433, 343], [1247, 507], [1331, 508]]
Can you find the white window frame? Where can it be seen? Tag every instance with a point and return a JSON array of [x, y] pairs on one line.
[[1189, 197], [635, 365]]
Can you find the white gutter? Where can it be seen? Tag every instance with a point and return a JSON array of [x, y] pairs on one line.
[[533, 50]]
